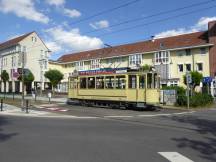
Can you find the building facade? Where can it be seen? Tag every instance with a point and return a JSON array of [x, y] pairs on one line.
[[172, 57], [27, 51]]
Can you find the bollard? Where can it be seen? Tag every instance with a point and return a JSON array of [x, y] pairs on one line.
[[27, 106], [1, 104], [13, 95], [35, 97]]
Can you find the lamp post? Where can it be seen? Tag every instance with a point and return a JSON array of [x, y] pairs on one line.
[[23, 53]]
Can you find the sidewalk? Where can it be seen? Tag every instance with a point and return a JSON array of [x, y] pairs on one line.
[[16, 111], [39, 98]]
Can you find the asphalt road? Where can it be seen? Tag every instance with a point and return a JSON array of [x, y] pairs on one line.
[[28, 139]]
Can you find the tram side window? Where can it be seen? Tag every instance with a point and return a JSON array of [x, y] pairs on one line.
[[83, 83], [149, 80], [120, 82], [100, 82], [132, 81], [109, 82], [91, 82], [142, 82]]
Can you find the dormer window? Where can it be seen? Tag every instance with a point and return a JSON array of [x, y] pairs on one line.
[[34, 39]]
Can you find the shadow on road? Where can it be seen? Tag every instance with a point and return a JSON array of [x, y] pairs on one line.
[[5, 136], [206, 146]]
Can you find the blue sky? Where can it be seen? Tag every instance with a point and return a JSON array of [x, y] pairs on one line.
[[56, 21]]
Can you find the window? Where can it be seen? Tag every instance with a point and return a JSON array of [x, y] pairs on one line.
[[109, 82], [119, 59], [132, 81], [199, 66], [142, 82], [109, 61], [173, 83], [202, 51], [180, 53], [91, 82], [135, 60], [188, 67], [120, 82], [45, 64], [34, 39], [188, 52], [95, 64], [83, 83], [180, 68], [161, 57], [100, 82], [42, 53], [79, 65]]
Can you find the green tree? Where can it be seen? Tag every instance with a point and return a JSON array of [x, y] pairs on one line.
[[145, 67], [5, 78], [54, 76], [28, 77], [196, 78]]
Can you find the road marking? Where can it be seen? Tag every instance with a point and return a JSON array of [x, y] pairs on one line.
[[118, 116], [175, 157]]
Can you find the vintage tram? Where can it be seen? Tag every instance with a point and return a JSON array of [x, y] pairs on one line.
[[116, 88]]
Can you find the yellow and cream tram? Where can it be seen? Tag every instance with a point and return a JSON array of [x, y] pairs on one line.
[[114, 88]]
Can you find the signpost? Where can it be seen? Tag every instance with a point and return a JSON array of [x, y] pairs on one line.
[[189, 81]]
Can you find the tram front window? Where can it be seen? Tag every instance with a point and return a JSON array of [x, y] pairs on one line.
[[109, 82], [120, 82], [91, 82], [100, 82]]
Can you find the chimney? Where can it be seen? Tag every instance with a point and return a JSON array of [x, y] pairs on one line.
[[212, 50]]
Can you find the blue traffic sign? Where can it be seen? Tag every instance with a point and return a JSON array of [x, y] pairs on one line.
[[207, 79]]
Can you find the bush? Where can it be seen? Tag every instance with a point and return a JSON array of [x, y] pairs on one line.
[[198, 99]]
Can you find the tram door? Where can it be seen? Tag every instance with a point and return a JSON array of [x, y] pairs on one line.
[[132, 88], [141, 82], [73, 87]]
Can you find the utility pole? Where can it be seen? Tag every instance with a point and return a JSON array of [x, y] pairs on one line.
[[23, 62], [188, 80]]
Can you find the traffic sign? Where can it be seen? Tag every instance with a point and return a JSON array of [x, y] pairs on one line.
[[188, 78], [25, 71]]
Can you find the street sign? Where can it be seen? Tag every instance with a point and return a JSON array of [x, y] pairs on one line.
[[188, 78], [207, 79], [25, 71]]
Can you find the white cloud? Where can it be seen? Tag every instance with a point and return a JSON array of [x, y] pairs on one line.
[[71, 12], [71, 40], [100, 24], [53, 46], [23, 8], [202, 24], [56, 2]]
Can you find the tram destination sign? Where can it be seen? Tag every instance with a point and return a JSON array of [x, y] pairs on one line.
[[103, 71]]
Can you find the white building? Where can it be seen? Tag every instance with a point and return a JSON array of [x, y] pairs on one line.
[[35, 59]]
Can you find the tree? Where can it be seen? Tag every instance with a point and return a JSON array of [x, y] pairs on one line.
[[196, 78], [54, 76], [5, 78], [28, 77], [145, 67]]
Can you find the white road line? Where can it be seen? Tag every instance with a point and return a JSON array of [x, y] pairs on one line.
[[118, 116], [175, 157]]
